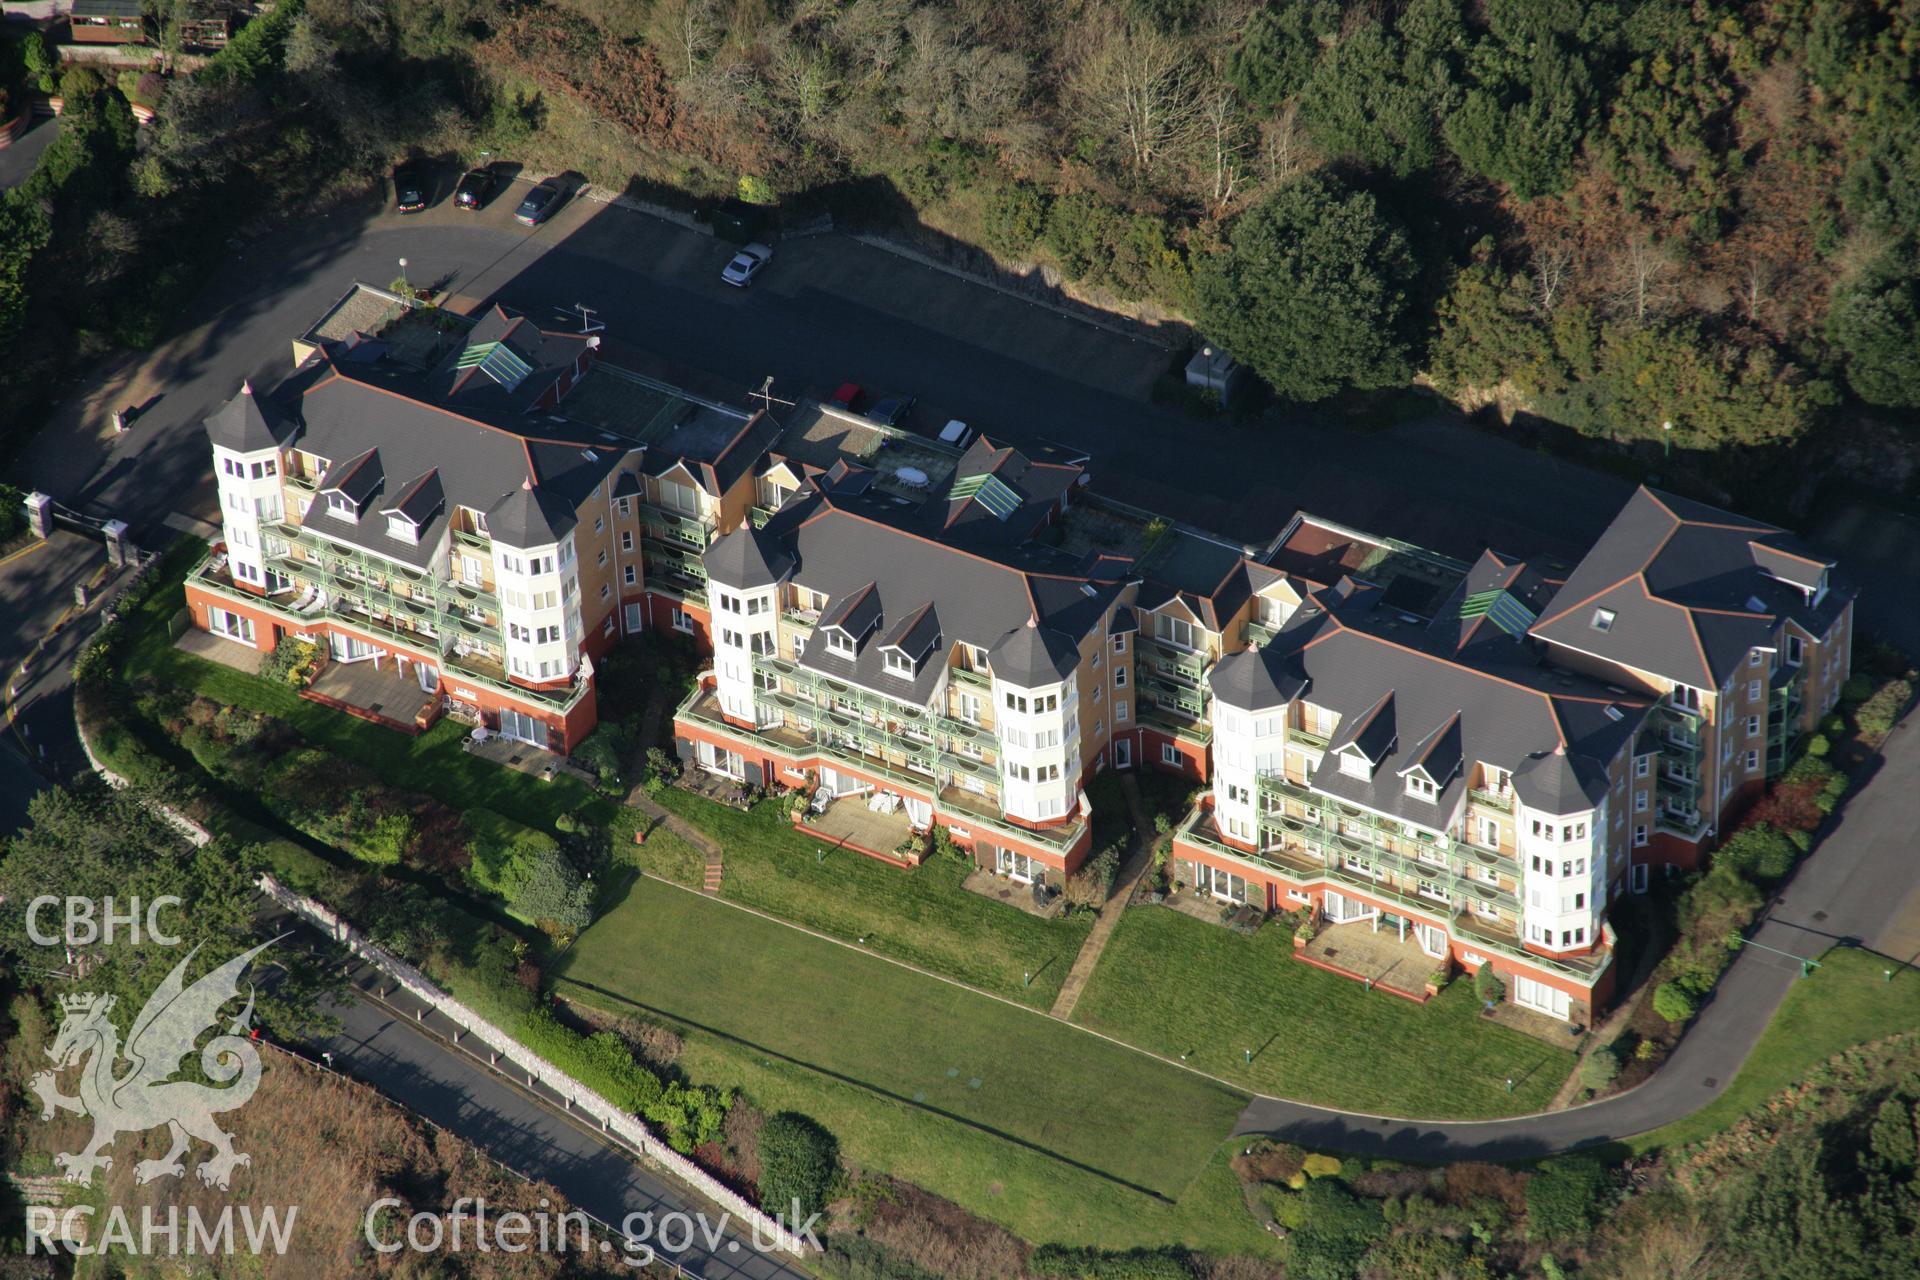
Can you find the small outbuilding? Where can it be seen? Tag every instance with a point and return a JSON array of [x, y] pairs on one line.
[[107, 22], [1212, 369]]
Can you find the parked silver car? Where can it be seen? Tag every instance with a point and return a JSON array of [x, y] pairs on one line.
[[747, 264]]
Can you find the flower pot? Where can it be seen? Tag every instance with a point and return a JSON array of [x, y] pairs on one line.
[[1300, 942]]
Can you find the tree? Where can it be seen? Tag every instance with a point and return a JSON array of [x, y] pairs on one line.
[[1335, 1231], [95, 843], [1138, 90], [24, 232], [1488, 985], [1276, 54], [799, 1164], [1312, 292], [1875, 324]]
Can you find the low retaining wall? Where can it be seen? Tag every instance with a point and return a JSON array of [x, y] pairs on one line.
[[12, 129], [613, 1121]]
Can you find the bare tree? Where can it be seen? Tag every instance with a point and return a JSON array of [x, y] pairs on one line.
[[1220, 115], [1284, 148], [1552, 270], [1138, 89], [1642, 282], [685, 31]]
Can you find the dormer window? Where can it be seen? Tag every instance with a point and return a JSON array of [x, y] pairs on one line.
[[1355, 765], [1603, 619], [840, 642], [899, 664], [398, 526], [1420, 787], [339, 504]]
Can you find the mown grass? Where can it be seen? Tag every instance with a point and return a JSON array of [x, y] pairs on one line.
[[432, 763], [921, 916], [1847, 1001], [1180, 986], [1057, 1134]]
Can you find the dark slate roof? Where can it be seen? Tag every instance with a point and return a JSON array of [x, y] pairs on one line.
[[844, 544], [481, 458], [1251, 679], [356, 479], [1124, 621], [250, 422], [420, 499], [1556, 782], [717, 445], [1024, 492], [746, 558], [1400, 690], [529, 518], [1033, 654], [1372, 733], [915, 633], [1438, 754], [856, 612], [1690, 589]]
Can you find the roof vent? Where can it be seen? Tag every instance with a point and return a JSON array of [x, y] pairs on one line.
[[1602, 620]]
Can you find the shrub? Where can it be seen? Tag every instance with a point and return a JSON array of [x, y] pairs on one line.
[[1817, 745], [1599, 1068], [1878, 714], [1857, 689], [544, 887], [293, 662], [799, 1164], [1092, 1264], [1564, 1200], [1320, 1165], [1336, 1229], [605, 751], [1488, 985], [755, 190], [1672, 1001], [1015, 215], [386, 842], [1759, 853]]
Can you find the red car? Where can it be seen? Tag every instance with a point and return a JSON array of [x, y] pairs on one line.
[[848, 397]]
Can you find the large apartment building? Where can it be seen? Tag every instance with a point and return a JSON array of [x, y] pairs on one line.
[[1479, 757], [451, 542], [1487, 777]]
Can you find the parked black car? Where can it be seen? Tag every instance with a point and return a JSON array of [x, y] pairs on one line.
[[540, 203], [476, 187], [412, 188], [890, 410]]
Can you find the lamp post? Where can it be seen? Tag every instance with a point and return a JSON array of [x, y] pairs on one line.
[[403, 274], [1666, 435]]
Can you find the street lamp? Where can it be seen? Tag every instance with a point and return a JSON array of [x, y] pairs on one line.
[[403, 273], [1666, 428]]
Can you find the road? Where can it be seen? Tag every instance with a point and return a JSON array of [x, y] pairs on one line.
[[1851, 891], [828, 309], [380, 1042], [17, 161]]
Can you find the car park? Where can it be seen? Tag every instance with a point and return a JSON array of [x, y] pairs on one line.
[[747, 264]]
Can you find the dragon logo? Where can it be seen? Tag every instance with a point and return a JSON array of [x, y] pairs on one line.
[[146, 1096]]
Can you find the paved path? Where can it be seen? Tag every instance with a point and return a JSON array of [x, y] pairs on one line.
[[1850, 892], [1139, 858], [415, 1064]]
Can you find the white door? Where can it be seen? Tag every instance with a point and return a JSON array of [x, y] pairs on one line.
[[351, 648], [1540, 997], [634, 625], [429, 677], [1123, 753], [1639, 877]]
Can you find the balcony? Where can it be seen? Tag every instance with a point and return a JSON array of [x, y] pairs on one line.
[[664, 525], [1259, 633], [1307, 739], [1501, 801], [1168, 720], [1457, 914]]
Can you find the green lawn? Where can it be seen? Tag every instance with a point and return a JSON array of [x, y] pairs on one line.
[[433, 762], [1060, 1135], [921, 916], [1847, 1001], [1180, 986]]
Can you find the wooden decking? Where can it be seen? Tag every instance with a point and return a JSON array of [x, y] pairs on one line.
[[216, 648], [377, 694], [848, 823]]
